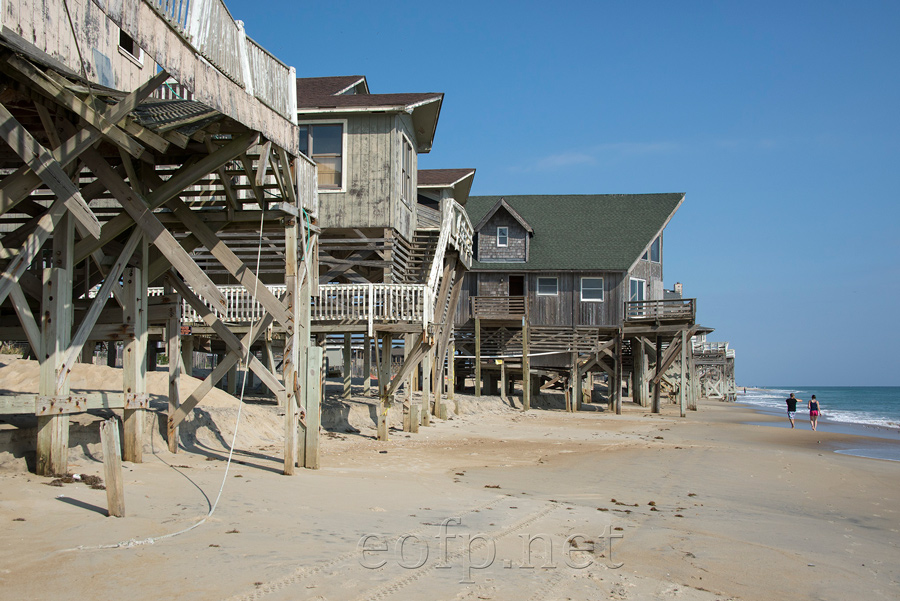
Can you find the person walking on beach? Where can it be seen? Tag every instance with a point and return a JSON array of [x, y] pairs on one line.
[[792, 408], [813, 412]]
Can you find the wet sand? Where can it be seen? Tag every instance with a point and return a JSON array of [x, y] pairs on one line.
[[706, 507]]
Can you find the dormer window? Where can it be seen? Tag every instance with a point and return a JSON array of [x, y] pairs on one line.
[[324, 143], [503, 237]]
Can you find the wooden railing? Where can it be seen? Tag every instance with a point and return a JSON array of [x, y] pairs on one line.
[[461, 234], [499, 307], [209, 28], [677, 309]]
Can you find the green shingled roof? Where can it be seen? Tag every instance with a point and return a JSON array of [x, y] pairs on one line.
[[597, 231]]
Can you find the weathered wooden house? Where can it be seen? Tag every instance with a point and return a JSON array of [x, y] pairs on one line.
[[383, 272], [567, 279], [106, 191]]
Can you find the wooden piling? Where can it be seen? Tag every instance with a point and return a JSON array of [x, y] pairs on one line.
[[526, 368], [477, 356], [112, 468], [367, 365], [348, 365], [682, 384], [655, 407], [134, 363], [173, 350]]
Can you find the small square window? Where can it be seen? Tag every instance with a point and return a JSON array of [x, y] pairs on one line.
[[547, 286], [592, 289], [502, 236]]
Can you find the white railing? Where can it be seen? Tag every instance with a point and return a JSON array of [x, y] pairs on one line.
[[373, 303], [272, 80], [242, 308], [209, 27], [367, 303]]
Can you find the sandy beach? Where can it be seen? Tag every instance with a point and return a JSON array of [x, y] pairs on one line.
[[636, 506]]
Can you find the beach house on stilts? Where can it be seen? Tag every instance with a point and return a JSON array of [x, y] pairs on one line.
[[111, 186], [387, 272], [566, 285]]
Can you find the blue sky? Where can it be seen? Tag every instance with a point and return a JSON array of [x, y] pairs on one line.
[[780, 120]]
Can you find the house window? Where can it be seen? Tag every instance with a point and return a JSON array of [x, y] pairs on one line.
[[129, 48], [547, 286], [407, 168], [324, 143], [654, 250], [592, 289], [502, 236], [638, 290]]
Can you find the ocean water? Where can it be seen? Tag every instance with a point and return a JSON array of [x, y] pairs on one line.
[[862, 405]]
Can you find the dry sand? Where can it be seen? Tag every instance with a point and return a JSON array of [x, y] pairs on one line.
[[706, 507]]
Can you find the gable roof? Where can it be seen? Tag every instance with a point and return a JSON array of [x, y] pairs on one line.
[[583, 232], [328, 86], [502, 204]]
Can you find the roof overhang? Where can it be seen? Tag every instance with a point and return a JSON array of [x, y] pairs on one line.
[[461, 187]]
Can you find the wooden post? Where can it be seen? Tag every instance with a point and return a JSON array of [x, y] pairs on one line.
[[348, 365], [477, 356], [87, 352], [618, 378], [232, 380], [655, 408], [315, 361], [526, 368], [639, 371], [187, 355], [451, 375], [384, 382], [503, 382], [112, 354], [53, 431], [682, 396], [173, 350], [415, 411], [134, 362], [112, 468], [367, 366], [427, 362], [575, 379], [692, 406]]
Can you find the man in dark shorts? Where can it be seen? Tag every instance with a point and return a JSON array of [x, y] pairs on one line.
[[792, 408]]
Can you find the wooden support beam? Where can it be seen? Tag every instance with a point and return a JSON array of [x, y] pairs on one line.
[[30, 249], [142, 214], [526, 367], [187, 175], [367, 365], [42, 162], [617, 398], [22, 70], [427, 373], [241, 347], [90, 319], [384, 380], [26, 318], [19, 185], [682, 400]]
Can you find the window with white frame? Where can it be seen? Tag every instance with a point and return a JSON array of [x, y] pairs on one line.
[[638, 290], [407, 168], [547, 286], [324, 143], [592, 289], [129, 48], [502, 236]]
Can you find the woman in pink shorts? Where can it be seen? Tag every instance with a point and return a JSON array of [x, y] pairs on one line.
[[813, 411]]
